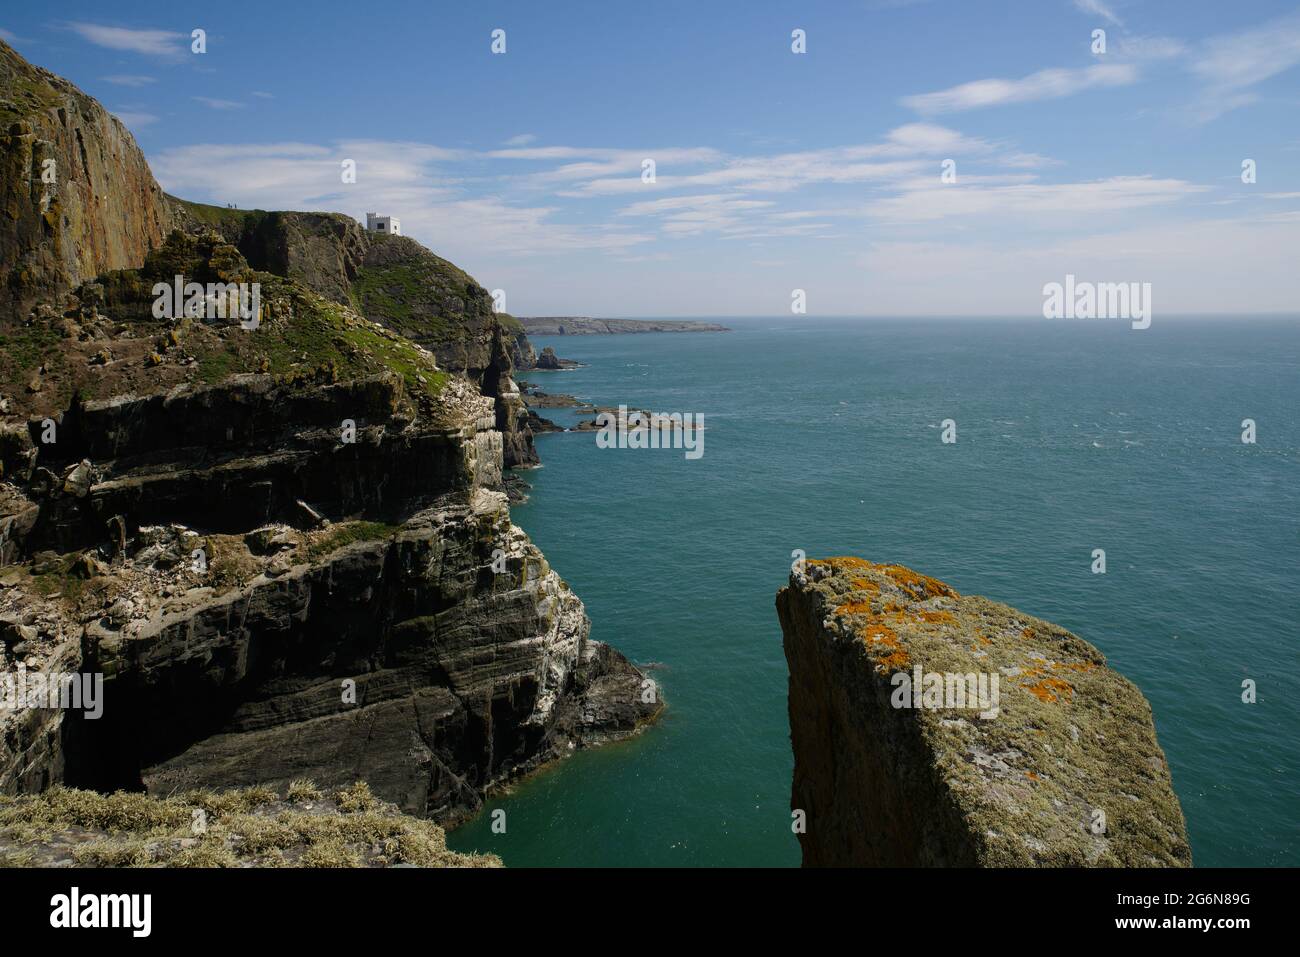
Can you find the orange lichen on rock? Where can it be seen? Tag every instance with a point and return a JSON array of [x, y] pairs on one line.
[[917, 585], [937, 617], [878, 635], [1075, 665], [1051, 689], [865, 584], [843, 561], [854, 608]]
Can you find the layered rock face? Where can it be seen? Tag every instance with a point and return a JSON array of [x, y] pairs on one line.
[[282, 538], [932, 729], [76, 192], [418, 641]]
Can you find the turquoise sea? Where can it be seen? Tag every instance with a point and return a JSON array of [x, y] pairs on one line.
[[824, 435]]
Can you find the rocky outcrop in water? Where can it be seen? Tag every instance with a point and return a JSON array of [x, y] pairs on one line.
[[934, 729]]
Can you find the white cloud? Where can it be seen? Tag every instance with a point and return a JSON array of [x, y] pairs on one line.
[[1247, 58], [1043, 85], [905, 151], [1231, 65], [523, 139], [1097, 8], [218, 104], [128, 80], [263, 95], [1028, 161], [402, 177], [1150, 48], [157, 43], [1192, 266], [929, 200], [134, 119]]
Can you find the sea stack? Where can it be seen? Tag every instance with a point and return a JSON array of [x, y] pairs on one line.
[[934, 729]]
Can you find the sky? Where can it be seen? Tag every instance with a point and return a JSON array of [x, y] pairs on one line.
[[773, 170]]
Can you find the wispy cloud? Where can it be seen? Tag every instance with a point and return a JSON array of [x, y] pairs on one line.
[[405, 178], [1231, 65], [928, 201], [122, 79], [164, 44], [263, 95], [135, 119], [1150, 48], [1099, 9], [523, 139], [1043, 85], [902, 152], [218, 104]]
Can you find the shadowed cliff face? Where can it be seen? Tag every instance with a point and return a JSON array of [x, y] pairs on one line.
[[932, 729], [76, 194]]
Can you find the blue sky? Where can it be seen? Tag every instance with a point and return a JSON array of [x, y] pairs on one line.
[[774, 171]]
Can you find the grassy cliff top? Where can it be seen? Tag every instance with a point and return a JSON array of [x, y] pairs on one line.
[[249, 827], [26, 89], [420, 294]]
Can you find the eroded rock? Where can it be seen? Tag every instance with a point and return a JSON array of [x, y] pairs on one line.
[[1060, 767]]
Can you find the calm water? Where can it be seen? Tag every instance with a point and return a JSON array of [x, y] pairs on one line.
[[825, 435]]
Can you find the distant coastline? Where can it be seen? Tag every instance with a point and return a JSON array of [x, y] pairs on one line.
[[587, 326]]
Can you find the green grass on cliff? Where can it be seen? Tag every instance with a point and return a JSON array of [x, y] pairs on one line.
[[249, 827], [23, 91], [347, 534], [420, 294], [23, 348], [320, 336], [219, 215]]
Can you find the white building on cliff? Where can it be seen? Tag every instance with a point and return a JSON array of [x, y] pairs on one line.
[[383, 224]]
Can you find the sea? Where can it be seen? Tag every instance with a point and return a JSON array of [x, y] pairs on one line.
[[826, 436]]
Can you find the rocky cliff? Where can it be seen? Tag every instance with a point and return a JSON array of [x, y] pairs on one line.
[[284, 543], [76, 194], [934, 729], [396, 282]]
